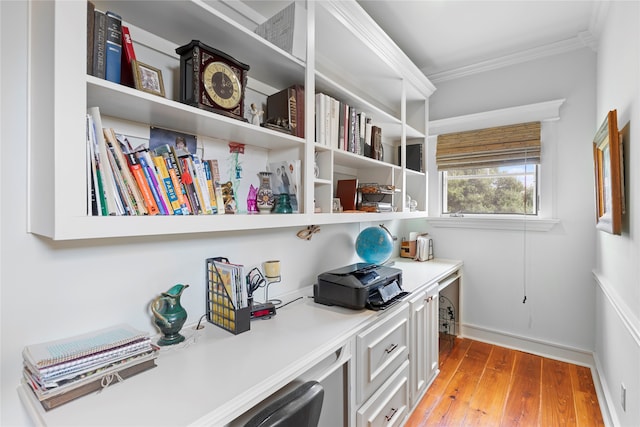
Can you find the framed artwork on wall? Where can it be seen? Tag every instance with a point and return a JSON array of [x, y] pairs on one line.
[[607, 156]]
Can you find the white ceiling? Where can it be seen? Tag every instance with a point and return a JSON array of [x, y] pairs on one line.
[[447, 37], [451, 38]]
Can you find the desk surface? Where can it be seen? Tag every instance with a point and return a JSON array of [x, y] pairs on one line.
[[214, 376]]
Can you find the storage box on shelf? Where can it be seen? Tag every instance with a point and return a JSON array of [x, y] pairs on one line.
[[397, 103]]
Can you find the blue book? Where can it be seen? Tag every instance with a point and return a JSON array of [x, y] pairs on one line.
[[113, 47]]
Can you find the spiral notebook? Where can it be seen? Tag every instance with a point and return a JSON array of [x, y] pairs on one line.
[[60, 351]]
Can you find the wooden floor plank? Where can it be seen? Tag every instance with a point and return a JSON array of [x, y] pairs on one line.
[[557, 400], [487, 404], [453, 407], [585, 398], [449, 362], [522, 407]]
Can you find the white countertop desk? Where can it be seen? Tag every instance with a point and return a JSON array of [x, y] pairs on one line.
[[215, 376]]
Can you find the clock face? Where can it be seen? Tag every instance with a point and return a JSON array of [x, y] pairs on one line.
[[222, 84]]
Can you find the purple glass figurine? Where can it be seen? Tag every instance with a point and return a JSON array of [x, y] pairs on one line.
[[251, 199]]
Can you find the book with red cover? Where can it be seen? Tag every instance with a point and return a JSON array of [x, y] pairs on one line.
[[143, 185], [347, 192], [128, 55]]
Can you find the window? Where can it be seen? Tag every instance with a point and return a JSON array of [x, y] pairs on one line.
[[499, 190], [490, 171]]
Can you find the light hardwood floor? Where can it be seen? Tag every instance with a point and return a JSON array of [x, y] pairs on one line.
[[485, 385]]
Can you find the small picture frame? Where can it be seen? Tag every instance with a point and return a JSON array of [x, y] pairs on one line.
[[336, 206], [147, 78], [608, 161]]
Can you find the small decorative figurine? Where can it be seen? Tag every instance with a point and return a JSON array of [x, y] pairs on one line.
[[228, 196], [251, 199], [170, 315], [255, 114]]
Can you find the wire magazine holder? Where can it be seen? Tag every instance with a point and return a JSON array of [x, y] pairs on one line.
[[221, 309]]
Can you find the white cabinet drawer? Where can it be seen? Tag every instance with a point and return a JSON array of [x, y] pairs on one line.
[[381, 349], [388, 406]]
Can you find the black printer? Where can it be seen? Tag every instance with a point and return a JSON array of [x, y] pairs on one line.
[[360, 285]]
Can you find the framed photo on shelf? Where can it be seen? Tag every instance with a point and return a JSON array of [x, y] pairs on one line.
[[607, 156], [336, 206], [147, 78]]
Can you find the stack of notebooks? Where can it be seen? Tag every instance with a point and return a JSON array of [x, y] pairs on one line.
[[63, 370]]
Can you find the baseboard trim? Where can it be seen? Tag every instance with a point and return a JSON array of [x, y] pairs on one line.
[[529, 345], [604, 396]]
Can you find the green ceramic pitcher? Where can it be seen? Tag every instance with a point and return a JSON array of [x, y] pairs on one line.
[[169, 315]]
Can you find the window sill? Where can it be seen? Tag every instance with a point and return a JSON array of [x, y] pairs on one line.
[[490, 223]]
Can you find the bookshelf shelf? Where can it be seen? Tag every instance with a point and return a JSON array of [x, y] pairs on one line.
[[351, 59]]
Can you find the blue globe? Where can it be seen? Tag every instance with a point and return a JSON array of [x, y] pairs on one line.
[[374, 245]]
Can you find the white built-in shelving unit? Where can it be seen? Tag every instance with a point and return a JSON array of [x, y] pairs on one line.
[[348, 57]]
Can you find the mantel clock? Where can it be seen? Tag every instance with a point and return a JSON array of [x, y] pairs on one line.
[[212, 80]]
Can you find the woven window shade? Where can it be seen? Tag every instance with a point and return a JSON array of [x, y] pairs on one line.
[[491, 147]]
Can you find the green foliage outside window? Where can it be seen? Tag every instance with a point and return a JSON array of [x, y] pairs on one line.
[[505, 190]]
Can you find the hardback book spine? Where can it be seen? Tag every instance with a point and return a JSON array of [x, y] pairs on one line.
[[143, 185], [123, 203], [187, 181], [201, 181], [206, 166], [215, 175], [130, 181], [101, 201], [163, 174], [353, 129], [106, 172], [128, 56], [376, 143], [91, 10], [173, 174], [299, 96], [320, 123], [113, 47], [367, 138], [150, 175], [99, 44]]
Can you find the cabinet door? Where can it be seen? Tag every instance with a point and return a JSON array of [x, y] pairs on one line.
[[418, 351], [432, 334], [424, 342]]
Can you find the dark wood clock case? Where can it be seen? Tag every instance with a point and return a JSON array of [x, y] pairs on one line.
[[194, 58]]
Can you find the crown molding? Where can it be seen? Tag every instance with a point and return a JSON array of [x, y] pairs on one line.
[[584, 39], [541, 111]]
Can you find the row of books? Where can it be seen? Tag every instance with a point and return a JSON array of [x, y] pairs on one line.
[[342, 127], [110, 50], [63, 370], [123, 180]]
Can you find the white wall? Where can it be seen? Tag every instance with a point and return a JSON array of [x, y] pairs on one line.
[[53, 290], [617, 268], [555, 266]]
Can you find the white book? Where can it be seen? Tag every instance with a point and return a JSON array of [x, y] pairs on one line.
[[108, 181]]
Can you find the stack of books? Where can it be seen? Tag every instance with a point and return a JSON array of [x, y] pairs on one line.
[[63, 370]]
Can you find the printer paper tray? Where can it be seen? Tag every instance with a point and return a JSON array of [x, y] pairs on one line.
[[387, 304]]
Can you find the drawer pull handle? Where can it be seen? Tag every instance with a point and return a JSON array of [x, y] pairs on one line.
[[391, 348], [393, 412]]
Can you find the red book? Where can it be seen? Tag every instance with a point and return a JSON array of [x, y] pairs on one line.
[[128, 55]]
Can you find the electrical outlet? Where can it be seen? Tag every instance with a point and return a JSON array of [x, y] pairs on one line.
[[623, 397]]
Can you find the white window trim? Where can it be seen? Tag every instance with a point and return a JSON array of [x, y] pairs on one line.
[[548, 113]]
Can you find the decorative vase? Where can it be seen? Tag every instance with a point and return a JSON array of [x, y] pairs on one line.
[[284, 204], [170, 315], [265, 200]]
